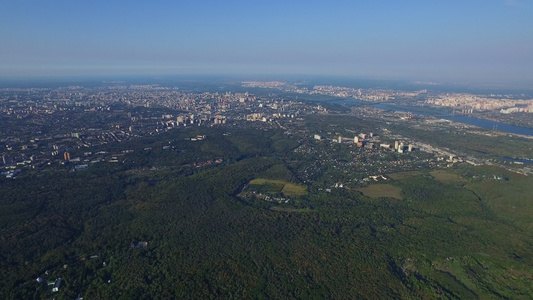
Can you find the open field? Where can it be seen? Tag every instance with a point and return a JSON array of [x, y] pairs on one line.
[[445, 176], [476, 235], [509, 195], [294, 190], [382, 190], [280, 186], [403, 175]]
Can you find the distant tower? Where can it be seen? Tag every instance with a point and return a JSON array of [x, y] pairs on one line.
[[410, 147], [66, 155], [396, 145], [400, 148], [356, 139], [340, 139]]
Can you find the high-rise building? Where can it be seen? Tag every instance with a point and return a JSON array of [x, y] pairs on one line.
[[401, 147], [66, 155]]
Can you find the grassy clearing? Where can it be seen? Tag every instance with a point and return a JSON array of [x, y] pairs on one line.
[[263, 181], [382, 190], [477, 238], [446, 176], [294, 190], [280, 186], [403, 175], [509, 199]]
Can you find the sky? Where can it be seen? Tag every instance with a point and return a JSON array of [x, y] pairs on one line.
[[489, 41]]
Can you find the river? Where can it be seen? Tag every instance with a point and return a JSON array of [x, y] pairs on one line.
[[442, 113], [445, 114]]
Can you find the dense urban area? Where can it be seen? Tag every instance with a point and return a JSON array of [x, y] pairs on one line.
[[45, 126], [128, 191]]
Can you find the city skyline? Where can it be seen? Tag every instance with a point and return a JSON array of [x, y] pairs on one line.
[[481, 42]]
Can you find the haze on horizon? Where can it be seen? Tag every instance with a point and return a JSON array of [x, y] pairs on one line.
[[481, 42]]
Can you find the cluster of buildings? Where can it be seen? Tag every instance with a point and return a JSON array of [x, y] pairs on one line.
[[54, 285], [469, 103], [464, 102], [44, 126], [373, 95], [349, 164], [370, 141], [527, 109]]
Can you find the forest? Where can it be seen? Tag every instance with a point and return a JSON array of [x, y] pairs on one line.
[[166, 224]]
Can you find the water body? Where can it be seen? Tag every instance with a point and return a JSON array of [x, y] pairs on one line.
[[442, 113], [445, 114]]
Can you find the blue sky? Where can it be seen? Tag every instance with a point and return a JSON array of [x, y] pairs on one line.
[[469, 40]]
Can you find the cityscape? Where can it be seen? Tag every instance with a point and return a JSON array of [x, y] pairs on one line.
[[43, 126], [266, 149], [321, 140]]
